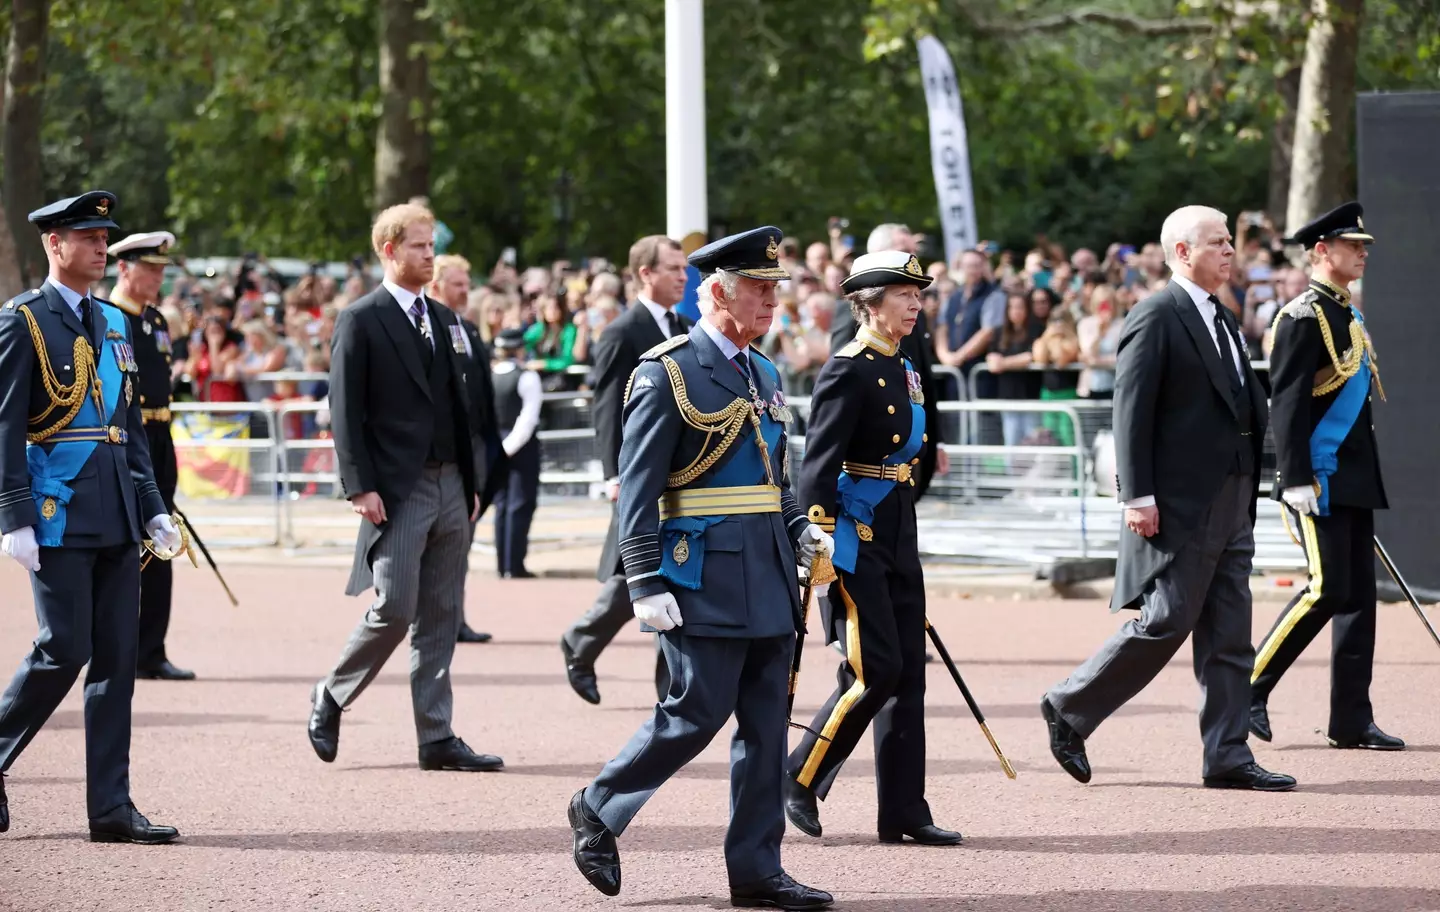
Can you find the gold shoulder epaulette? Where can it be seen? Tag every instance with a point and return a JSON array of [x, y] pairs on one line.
[[851, 349], [668, 345]]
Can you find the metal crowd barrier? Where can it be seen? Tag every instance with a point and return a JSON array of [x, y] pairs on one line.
[[1027, 504]]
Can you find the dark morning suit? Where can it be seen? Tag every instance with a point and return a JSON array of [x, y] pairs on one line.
[[400, 413], [150, 338], [734, 578], [1339, 546], [87, 592], [616, 356], [862, 417], [1185, 434]]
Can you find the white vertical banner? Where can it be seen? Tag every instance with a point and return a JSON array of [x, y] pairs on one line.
[[949, 149]]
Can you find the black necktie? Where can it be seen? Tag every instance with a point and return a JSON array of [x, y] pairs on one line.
[[672, 320], [87, 319], [1223, 347], [742, 362]]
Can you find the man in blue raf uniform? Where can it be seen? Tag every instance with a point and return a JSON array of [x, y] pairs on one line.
[[709, 534], [142, 261], [1321, 372], [75, 487]]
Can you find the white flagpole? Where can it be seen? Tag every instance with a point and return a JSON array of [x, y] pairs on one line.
[[686, 202]]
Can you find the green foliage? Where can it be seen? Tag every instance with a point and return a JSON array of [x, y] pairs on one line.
[[251, 125]]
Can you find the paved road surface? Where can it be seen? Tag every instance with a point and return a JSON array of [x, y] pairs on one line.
[[269, 827]]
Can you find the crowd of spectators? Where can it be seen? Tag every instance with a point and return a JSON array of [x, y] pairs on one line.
[[1044, 323]]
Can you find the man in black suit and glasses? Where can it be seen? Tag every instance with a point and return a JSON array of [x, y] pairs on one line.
[[400, 412], [658, 264], [1189, 420]]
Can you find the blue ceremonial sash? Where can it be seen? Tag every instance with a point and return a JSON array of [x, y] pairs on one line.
[[1335, 426], [741, 466], [858, 497], [52, 470]]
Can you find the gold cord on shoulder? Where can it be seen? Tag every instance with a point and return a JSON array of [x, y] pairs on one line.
[[69, 397], [727, 422]]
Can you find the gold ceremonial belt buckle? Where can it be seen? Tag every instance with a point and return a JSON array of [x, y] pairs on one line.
[[112, 434], [719, 501], [900, 473]]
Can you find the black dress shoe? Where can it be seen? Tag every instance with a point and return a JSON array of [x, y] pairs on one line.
[[164, 671], [929, 835], [801, 808], [1372, 738], [126, 824], [596, 854], [471, 636], [4, 806], [1251, 776], [1067, 747], [455, 755], [779, 892], [324, 723], [580, 675], [519, 574], [1260, 721]]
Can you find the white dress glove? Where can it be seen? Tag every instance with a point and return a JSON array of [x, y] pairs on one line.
[[21, 545], [659, 611], [812, 541], [163, 534], [1302, 500]]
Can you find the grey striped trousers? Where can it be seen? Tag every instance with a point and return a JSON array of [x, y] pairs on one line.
[[419, 564]]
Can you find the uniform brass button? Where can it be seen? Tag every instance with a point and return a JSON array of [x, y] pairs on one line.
[[924, 438], [915, 461], [882, 381], [869, 356], [895, 439], [890, 409]]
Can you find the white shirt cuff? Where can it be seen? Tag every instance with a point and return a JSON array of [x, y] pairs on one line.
[[1139, 502]]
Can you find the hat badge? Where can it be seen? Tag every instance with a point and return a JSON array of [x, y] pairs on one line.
[[163, 248], [102, 207], [913, 266], [772, 250], [1360, 222]]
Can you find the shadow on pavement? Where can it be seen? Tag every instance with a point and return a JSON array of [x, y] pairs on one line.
[[529, 841], [1241, 899], [1278, 840], [463, 679], [854, 769]]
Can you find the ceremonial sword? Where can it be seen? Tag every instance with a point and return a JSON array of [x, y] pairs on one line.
[[208, 559], [1404, 589], [821, 571], [965, 692]]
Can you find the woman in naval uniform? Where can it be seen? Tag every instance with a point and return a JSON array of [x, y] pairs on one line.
[[865, 439]]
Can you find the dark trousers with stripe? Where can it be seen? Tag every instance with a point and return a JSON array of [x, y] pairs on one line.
[[1340, 557], [880, 610], [157, 579]]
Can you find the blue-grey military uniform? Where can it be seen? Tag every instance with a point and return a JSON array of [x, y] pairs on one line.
[[706, 513], [74, 465]]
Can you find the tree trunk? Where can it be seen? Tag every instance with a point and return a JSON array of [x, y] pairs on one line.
[[402, 146], [1325, 113], [1282, 147], [20, 181], [11, 281]]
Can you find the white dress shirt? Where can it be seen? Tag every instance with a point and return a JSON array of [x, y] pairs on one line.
[[407, 298], [528, 387], [1201, 297], [727, 348], [658, 313]]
